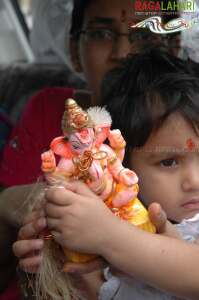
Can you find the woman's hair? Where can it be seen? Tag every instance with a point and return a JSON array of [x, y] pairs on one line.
[[78, 13], [78, 16], [145, 90]]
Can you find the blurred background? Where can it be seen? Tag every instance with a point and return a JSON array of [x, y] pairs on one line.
[[28, 30], [34, 54], [15, 22], [34, 50]]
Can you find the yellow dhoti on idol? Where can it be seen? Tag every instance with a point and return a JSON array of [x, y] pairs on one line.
[[133, 212]]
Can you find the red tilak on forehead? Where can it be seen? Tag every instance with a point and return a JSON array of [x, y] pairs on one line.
[[123, 15], [190, 144]]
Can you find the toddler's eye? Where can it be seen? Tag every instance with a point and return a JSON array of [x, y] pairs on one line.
[[170, 162]]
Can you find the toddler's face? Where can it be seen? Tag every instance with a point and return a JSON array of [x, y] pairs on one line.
[[168, 168]]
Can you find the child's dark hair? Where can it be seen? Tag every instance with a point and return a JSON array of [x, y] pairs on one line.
[[145, 90]]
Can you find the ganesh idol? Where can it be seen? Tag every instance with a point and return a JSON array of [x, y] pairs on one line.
[[83, 155], [91, 152]]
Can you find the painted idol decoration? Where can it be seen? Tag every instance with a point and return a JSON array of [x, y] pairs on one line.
[[84, 156]]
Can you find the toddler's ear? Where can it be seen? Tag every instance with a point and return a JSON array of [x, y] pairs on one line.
[[75, 55]]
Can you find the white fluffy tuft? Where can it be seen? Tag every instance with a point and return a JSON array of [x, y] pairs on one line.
[[100, 115]]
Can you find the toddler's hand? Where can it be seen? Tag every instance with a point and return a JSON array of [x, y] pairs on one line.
[[77, 218], [159, 218]]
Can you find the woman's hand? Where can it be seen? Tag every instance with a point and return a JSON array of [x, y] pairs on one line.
[[28, 248], [79, 209]]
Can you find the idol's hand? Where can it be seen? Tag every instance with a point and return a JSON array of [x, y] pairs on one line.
[[116, 139], [48, 162], [128, 177]]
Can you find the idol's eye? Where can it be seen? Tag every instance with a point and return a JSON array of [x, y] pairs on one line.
[[170, 162], [75, 145]]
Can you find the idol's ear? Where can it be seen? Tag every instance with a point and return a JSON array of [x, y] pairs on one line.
[[101, 134], [61, 147]]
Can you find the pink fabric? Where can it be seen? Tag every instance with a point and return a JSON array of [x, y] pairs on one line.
[[12, 292], [40, 123]]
